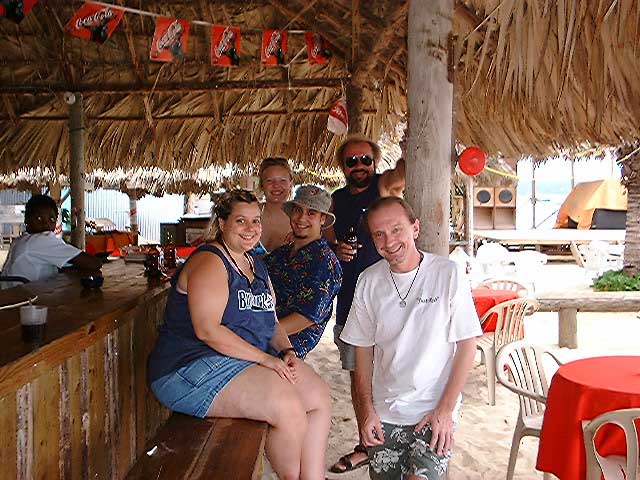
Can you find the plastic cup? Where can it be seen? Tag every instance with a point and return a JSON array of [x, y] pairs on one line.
[[33, 319]]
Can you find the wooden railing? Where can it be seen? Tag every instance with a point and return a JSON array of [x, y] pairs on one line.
[[79, 406]]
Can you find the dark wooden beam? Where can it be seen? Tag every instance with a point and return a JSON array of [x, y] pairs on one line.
[[179, 87], [192, 116]]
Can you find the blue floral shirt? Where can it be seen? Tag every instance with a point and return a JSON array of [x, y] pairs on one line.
[[306, 284]]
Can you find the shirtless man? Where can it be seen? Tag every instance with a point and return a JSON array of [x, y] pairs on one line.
[[276, 182]]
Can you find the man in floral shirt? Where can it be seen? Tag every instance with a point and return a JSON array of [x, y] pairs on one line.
[[306, 274]]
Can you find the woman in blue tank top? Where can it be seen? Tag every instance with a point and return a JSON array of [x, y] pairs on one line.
[[222, 353]]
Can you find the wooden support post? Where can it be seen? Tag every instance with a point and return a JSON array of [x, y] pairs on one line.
[[430, 97], [133, 210], [55, 192], [76, 141], [568, 327], [355, 98], [468, 215]]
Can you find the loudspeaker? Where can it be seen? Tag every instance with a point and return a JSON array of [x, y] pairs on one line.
[[505, 197], [483, 197]]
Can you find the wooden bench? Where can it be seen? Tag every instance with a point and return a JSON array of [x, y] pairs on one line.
[[569, 302], [193, 448]]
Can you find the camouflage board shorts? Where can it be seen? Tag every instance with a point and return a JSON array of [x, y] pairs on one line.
[[405, 453]]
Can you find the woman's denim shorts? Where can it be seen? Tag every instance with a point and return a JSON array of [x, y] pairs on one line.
[[191, 389]]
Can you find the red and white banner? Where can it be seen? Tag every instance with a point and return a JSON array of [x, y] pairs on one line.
[[318, 48], [338, 121], [94, 22], [274, 47], [16, 10], [170, 39], [225, 45]]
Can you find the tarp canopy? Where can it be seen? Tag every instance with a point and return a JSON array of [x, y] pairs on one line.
[[588, 196]]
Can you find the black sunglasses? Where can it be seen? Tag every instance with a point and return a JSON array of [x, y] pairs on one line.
[[365, 160]]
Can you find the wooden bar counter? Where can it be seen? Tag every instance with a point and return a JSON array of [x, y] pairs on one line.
[[79, 406]]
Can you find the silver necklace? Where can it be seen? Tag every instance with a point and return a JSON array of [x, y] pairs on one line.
[[403, 303]]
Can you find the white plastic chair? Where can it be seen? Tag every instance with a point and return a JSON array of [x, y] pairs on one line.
[[509, 328], [505, 284], [529, 265], [521, 368], [613, 467]]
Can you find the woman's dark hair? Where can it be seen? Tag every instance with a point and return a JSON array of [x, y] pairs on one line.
[[223, 208], [38, 201]]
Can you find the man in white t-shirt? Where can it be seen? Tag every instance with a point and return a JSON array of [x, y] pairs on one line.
[[37, 254], [414, 326]]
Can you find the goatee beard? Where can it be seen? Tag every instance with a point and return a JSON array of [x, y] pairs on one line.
[[359, 183]]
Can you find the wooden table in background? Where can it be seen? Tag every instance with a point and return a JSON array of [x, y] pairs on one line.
[[79, 406]]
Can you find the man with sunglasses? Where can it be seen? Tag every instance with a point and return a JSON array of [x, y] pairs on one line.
[[358, 157], [37, 254]]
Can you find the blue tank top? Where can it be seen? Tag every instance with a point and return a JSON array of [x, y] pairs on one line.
[[249, 314], [349, 211]]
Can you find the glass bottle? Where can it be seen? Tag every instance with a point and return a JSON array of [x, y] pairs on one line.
[[351, 239], [170, 252]]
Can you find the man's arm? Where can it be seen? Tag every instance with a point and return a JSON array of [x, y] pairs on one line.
[[371, 432], [86, 262], [295, 322], [440, 418], [392, 181]]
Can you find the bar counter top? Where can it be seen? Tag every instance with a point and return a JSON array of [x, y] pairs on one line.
[[76, 316]]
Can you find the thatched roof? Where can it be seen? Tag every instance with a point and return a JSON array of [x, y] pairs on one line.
[[532, 78]]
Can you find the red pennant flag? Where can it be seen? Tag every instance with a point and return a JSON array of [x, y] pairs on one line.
[[318, 48], [16, 10], [338, 121], [170, 39], [274, 47], [94, 22], [225, 45]]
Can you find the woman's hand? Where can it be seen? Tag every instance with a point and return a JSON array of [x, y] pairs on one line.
[[281, 367], [291, 360]]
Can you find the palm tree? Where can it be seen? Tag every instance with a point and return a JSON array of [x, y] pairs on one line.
[[630, 161]]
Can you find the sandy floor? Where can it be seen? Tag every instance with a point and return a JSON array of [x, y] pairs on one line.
[[483, 438]]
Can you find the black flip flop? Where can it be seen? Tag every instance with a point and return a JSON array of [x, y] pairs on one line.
[[346, 461]]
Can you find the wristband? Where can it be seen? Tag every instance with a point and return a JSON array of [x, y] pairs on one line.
[[284, 351]]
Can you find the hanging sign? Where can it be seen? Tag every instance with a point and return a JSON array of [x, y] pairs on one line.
[[225, 45], [170, 39], [472, 160], [16, 10], [274, 47], [94, 22], [318, 49], [338, 122]]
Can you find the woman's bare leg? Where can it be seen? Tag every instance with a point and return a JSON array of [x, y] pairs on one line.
[[258, 393], [316, 401]]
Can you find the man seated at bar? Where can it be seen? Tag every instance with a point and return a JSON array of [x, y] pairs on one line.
[[38, 254], [222, 353], [275, 181], [306, 274]]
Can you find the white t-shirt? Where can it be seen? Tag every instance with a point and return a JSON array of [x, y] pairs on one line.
[[37, 256], [414, 345]]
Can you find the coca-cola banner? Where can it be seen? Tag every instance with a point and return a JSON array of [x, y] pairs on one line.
[[274, 47], [225, 45], [16, 10], [170, 39], [94, 22], [318, 49], [338, 121]]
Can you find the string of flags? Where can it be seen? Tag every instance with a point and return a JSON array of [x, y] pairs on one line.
[[96, 21]]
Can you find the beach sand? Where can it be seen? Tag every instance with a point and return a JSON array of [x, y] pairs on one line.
[[483, 436]]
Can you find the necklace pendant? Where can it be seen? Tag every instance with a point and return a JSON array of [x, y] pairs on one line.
[[403, 304]]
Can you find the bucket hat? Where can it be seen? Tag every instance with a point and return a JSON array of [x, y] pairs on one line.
[[315, 198]]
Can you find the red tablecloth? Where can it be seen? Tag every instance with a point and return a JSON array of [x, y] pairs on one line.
[[486, 298], [582, 390]]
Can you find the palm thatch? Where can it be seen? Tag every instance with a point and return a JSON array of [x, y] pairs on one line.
[[532, 78]]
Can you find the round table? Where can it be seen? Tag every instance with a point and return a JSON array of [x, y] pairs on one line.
[[486, 298], [582, 390]]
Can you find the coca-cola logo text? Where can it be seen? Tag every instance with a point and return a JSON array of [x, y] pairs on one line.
[[317, 45], [274, 44], [225, 40], [98, 18], [170, 36]]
